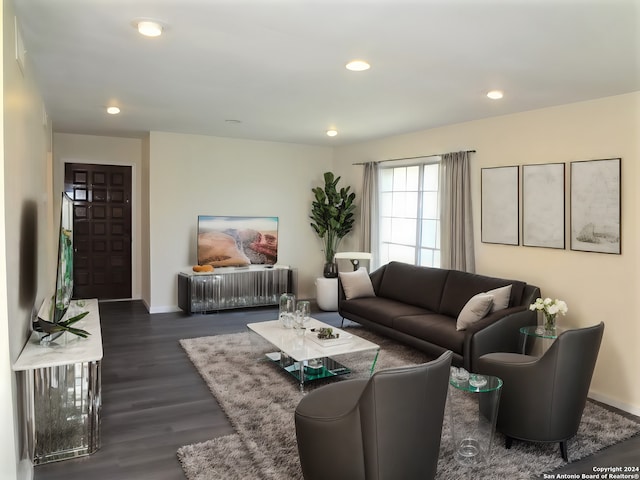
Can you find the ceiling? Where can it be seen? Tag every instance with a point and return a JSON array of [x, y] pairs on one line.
[[274, 69]]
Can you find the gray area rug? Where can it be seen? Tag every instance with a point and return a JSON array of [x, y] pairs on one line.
[[260, 399]]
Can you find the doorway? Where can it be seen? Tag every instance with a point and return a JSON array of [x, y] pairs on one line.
[[101, 197]]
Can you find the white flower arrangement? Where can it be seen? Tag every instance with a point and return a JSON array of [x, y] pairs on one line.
[[550, 308]]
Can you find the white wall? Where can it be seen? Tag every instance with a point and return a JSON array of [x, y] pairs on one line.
[[145, 240], [71, 148], [191, 175], [27, 236], [597, 287]]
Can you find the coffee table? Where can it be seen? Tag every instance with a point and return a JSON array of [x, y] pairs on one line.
[[302, 355]]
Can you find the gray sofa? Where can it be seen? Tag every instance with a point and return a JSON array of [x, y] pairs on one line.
[[419, 306]]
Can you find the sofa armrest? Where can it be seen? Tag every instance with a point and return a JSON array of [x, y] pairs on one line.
[[498, 332]]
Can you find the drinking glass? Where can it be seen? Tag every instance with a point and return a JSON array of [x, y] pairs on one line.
[[303, 313], [287, 309]]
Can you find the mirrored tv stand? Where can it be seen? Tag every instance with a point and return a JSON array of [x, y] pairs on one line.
[[233, 287]]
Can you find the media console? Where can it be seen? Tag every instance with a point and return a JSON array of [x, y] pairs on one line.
[[233, 287]]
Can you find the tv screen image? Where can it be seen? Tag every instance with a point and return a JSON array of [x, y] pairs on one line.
[[50, 321], [64, 274], [237, 241]]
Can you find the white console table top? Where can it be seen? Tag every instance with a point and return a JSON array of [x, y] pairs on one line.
[[68, 348]]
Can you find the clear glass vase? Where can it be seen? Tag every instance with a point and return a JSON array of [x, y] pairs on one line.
[[549, 322]]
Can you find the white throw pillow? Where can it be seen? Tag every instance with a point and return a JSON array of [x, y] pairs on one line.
[[475, 309], [500, 297], [357, 284]]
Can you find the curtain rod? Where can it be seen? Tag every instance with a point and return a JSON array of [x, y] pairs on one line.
[[409, 158]]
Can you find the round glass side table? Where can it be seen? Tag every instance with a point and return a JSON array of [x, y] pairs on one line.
[[473, 410], [536, 339]]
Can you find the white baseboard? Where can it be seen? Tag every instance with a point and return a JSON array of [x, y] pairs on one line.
[[632, 409], [163, 309]]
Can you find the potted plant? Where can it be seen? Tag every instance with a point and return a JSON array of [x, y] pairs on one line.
[[332, 218]]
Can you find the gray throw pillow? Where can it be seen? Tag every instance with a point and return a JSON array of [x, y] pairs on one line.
[[500, 297], [357, 284], [476, 308]]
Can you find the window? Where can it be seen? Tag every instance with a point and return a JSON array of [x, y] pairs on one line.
[[410, 214]]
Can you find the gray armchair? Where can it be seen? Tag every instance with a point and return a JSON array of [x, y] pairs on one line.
[[543, 398], [382, 428]]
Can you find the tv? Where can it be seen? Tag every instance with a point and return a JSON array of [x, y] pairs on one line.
[[64, 271], [225, 241], [54, 308]]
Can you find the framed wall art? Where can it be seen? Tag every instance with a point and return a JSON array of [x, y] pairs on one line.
[[595, 205], [543, 205], [500, 205]]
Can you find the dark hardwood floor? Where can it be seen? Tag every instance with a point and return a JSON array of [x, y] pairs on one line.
[[154, 400]]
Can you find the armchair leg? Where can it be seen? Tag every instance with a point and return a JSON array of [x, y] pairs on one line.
[[563, 451], [508, 441], [342, 322]]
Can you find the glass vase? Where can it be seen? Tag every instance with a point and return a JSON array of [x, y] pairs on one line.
[[549, 322]]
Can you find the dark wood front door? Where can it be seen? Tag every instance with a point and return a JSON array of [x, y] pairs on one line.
[[101, 197]]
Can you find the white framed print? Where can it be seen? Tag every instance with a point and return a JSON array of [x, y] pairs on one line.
[[596, 205], [500, 205], [543, 205]]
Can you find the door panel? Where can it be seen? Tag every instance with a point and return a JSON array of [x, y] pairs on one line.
[[102, 229]]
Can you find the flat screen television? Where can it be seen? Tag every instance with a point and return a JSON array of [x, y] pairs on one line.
[[64, 272], [237, 241], [54, 309]]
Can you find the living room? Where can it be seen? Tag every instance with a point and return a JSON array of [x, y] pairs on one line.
[[178, 176]]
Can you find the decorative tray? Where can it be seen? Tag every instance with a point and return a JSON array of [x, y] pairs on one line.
[[328, 337]]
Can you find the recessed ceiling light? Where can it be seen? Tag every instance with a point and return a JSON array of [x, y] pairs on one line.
[[495, 94], [332, 132], [149, 28], [357, 66], [113, 110]]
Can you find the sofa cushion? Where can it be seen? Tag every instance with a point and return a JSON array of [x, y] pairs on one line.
[[378, 309], [461, 286], [500, 297], [420, 286], [357, 284], [475, 309], [433, 328]]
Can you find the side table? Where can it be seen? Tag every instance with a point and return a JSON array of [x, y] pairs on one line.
[[472, 403], [536, 340]]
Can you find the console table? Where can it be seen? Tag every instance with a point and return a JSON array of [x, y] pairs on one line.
[[62, 389], [233, 287]]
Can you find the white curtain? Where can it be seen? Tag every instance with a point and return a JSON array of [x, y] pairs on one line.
[[456, 221], [369, 213]]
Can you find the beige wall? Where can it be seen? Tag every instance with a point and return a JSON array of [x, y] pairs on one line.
[[70, 148], [28, 240], [191, 175], [595, 286]]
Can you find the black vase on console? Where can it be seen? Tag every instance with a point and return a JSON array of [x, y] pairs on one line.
[[330, 270]]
